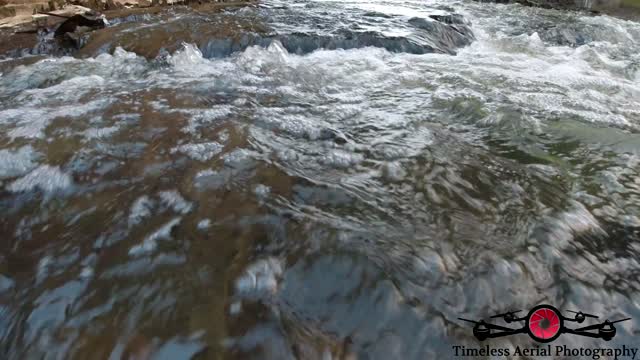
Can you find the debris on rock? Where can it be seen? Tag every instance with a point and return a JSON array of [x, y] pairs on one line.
[[81, 24]]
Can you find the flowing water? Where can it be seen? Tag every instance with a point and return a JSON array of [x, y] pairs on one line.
[[345, 181]]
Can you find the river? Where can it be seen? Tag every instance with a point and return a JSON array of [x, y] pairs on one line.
[[345, 186]]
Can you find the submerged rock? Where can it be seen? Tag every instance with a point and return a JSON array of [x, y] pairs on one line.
[[451, 31], [225, 34], [153, 31], [31, 31], [167, 31]]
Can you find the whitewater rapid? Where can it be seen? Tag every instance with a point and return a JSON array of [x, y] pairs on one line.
[[281, 200]]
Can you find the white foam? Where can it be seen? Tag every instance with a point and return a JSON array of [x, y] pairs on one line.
[[87, 272], [299, 125], [212, 179], [17, 163], [175, 201], [150, 243], [100, 133], [69, 90], [30, 122], [140, 210], [201, 152], [204, 224], [239, 158], [205, 173], [235, 308], [262, 191], [260, 279], [189, 60], [342, 159], [199, 117], [257, 60], [46, 178], [223, 135]]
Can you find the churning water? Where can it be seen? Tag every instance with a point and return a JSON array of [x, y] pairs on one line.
[[347, 182]]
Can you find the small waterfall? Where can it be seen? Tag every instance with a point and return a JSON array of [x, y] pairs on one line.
[[586, 4]]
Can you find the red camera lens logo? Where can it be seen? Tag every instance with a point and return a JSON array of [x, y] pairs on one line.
[[544, 324]]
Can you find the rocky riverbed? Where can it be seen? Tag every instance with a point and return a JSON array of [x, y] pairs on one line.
[[316, 179], [27, 34]]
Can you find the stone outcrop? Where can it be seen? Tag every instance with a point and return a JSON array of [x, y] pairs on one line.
[[592, 5], [626, 9], [15, 12], [65, 31]]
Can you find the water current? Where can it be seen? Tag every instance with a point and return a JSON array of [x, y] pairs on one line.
[[337, 179]]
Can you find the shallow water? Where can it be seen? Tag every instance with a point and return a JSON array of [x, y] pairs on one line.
[[268, 201]]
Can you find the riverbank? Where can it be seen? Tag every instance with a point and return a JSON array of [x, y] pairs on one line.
[[628, 10], [26, 34], [23, 34], [624, 9]]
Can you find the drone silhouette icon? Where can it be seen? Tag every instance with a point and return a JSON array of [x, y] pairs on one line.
[[544, 323]]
